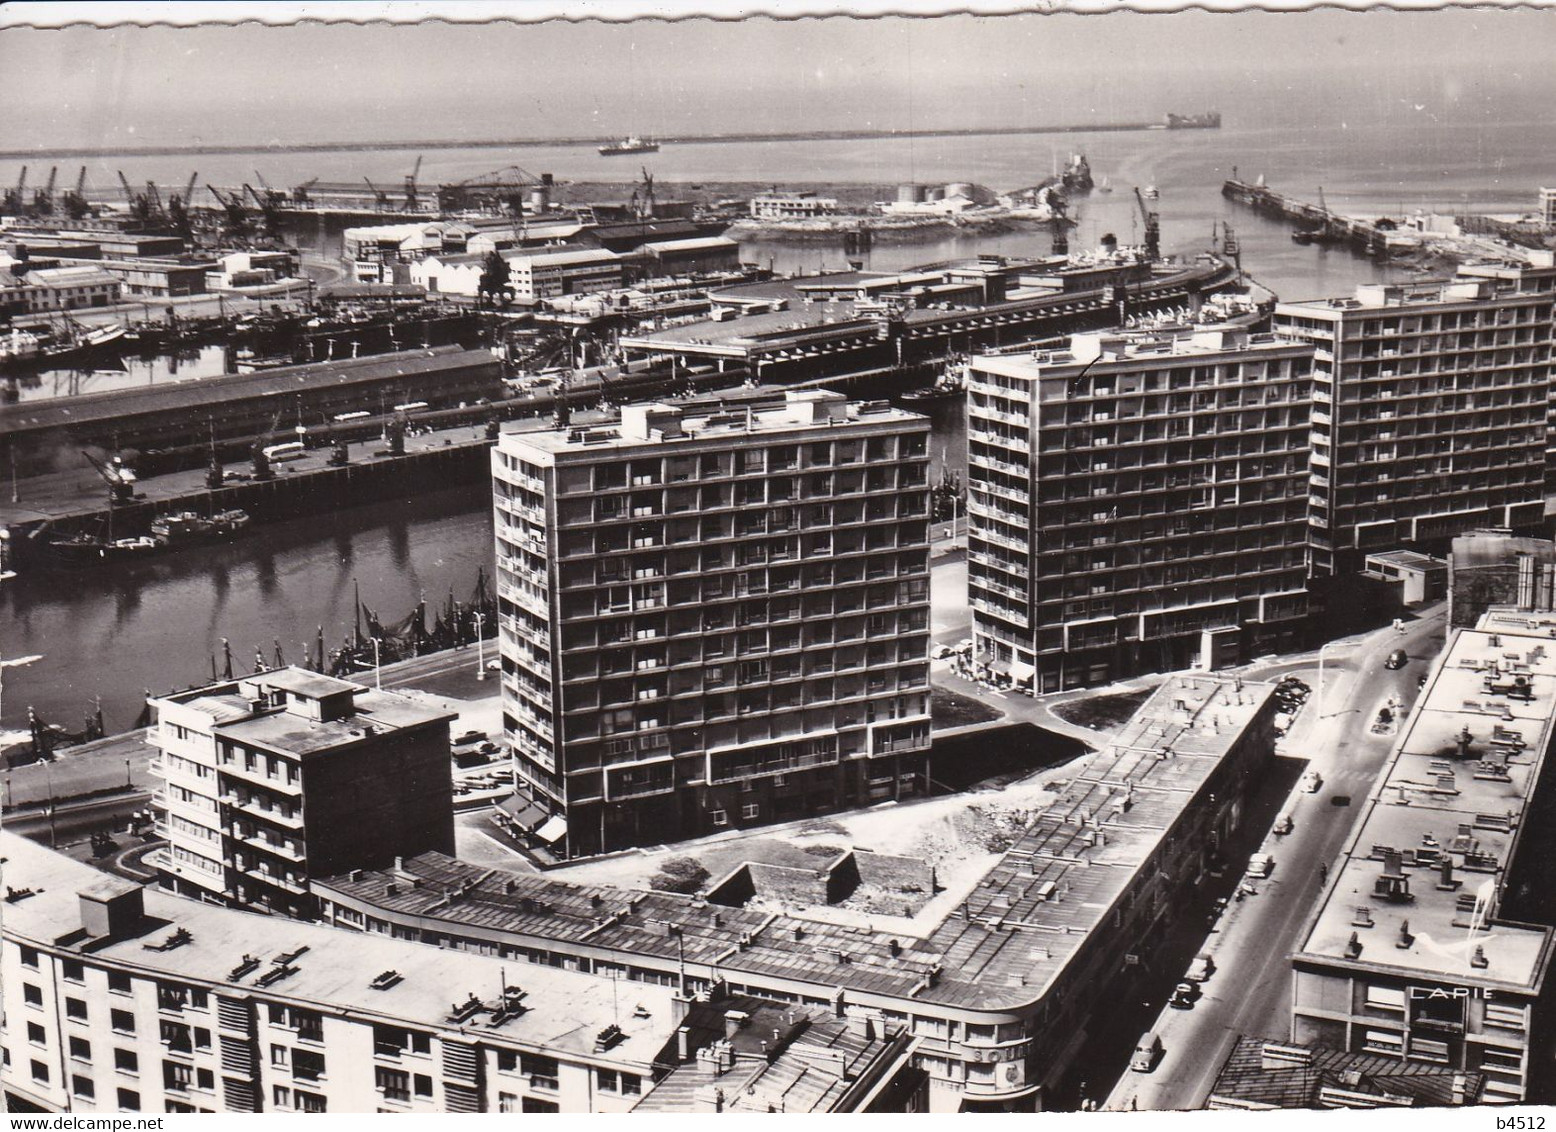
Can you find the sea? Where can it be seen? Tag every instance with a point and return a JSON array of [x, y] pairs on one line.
[[113, 633]]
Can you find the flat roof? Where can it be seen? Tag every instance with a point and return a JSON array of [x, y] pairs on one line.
[[193, 395], [1410, 559], [1455, 790], [999, 949], [563, 1010]]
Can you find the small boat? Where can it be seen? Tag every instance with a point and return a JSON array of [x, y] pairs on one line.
[[187, 528], [629, 145], [83, 549]]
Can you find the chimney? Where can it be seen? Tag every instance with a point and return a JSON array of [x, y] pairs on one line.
[[399, 864], [1353, 947], [1405, 938], [683, 1041], [862, 1026], [733, 1021], [1479, 959], [1446, 881]]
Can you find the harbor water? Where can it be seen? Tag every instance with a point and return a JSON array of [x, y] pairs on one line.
[[114, 631]]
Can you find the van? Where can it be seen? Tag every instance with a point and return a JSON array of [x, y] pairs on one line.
[[1147, 1050]]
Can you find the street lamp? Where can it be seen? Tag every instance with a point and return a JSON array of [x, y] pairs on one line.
[[1318, 694], [378, 671], [480, 654]]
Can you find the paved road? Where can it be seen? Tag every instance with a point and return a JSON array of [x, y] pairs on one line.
[[1250, 990]]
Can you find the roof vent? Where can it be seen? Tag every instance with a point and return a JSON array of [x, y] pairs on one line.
[[1353, 947], [1405, 938], [1479, 959], [386, 980], [250, 963]]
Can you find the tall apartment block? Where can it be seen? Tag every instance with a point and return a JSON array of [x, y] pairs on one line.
[[1137, 503], [714, 619], [276, 778], [1431, 410]]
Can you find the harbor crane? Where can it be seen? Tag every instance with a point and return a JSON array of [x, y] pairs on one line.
[[178, 209], [380, 198], [275, 197], [1059, 224], [15, 199], [43, 199], [120, 479], [139, 205], [300, 192], [74, 201], [1153, 228], [235, 216], [412, 201], [270, 215], [262, 469]]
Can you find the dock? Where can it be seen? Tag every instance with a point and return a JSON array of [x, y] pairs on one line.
[[1364, 236]]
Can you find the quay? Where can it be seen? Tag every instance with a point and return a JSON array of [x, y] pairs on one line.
[[1364, 236]]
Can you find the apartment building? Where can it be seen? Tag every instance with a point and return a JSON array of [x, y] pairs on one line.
[[998, 991], [119, 998], [715, 619], [1431, 406], [1137, 502], [276, 778], [1430, 944], [796, 205]]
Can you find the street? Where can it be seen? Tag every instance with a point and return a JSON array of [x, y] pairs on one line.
[[1249, 992]]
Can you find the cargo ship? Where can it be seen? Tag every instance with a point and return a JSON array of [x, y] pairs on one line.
[[629, 145], [1210, 120]]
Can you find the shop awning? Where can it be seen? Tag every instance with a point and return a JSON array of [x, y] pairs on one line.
[[1021, 672], [554, 829]]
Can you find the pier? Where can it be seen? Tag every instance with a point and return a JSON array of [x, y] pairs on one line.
[[1364, 236]]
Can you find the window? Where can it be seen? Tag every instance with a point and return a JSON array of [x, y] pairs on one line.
[[82, 1086], [126, 1061], [29, 957], [308, 1102], [36, 1034], [750, 810], [119, 982], [80, 1049], [1508, 1017], [205, 1079], [720, 817], [532, 1105], [608, 1080], [32, 995], [394, 1084], [423, 1084], [72, 971], [75, 1008], [282, 1096], [129, 1100], [307, 1065], [507, 1102], [1383, 1041], [176, 1076], [278, 1056], [542, 1071], [40, 1072], [631, 1085], [122, 1021], [176, 1036]]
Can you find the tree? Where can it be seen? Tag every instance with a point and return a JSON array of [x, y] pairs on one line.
[[495, 276], [679, 874]]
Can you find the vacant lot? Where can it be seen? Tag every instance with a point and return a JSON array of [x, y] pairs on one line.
[[1103, 713]]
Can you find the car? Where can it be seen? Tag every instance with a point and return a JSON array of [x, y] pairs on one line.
[[494, 666], [1261, 865], [1148, 1050], [1201, 969], [1184, 996], [940, 652], [1283, 825], [1311, 781], [469, 737], [965, 645], [1397, 660]]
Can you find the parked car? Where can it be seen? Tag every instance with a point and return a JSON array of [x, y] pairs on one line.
[[1397, 660], [940, 652], [1261, 865], [1183, 996], [469, 737], [1201, 969], [1311, 781], [1283, 825]]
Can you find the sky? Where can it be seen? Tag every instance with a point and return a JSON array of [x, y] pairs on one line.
[[319, 83]]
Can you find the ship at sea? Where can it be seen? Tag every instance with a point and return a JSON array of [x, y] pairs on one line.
[[629, 145], [1210, 120], [1077, 175]]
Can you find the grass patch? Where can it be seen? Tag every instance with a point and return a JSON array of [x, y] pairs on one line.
[[948, 709], [1103, 713]]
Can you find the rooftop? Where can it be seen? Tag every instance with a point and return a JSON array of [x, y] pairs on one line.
[[197, 396], [1261, 1074], [334, 971], [668, 423], [1410, 559], [1418, 885], [1000, 948], [1134, 350]]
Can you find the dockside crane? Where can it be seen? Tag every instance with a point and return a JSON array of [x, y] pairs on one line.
[[235, 219], [1153, 228], [412, 201], [43, 199], [74, 201], [15, 199], [178, 209], [1232, 249], [269, 214], [154, 201], [300, 192], [380, 198], [274, 197], [120, 479], [262, 469], [1059, 224], [139, 206]]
